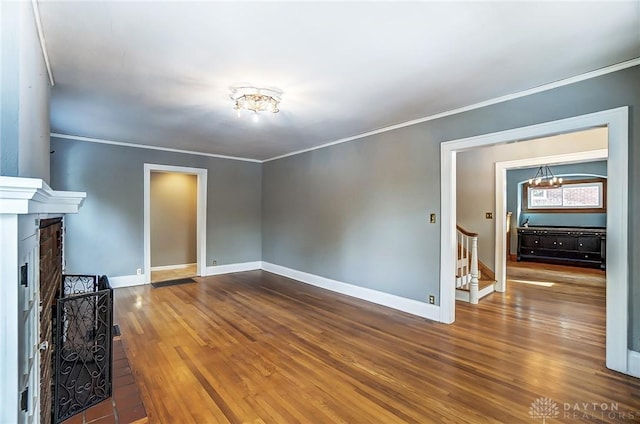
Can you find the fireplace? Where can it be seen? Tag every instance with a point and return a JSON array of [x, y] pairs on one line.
[[24, 203], [83, 344], [75, 331]]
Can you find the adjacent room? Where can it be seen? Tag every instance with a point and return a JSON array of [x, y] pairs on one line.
[[319, 212]]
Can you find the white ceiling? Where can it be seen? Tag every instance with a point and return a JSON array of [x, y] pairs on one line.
[[159, 73]]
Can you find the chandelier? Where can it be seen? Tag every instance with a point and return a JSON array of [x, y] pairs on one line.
[[255, 99], [545, 178]]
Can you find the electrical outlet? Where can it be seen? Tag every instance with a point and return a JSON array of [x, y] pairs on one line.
[[432, 299], [138, 271], [488, 215], [214, 263], [432, 218]]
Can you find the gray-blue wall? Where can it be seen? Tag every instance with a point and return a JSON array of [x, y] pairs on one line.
[[10, 93], [24, 96], [357, 212], [515, 178], [106, 237]]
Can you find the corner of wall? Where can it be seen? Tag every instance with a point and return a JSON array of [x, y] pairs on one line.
[[633, 363]]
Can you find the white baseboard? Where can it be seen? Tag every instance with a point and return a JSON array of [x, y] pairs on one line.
[[633, 363], [465, 295], [239, 267], [462, 295], [127, 281], [486, 291], [136, 280], [411, 306], [170, 267]]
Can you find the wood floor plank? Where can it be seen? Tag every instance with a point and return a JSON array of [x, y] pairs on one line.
[[255, 347]]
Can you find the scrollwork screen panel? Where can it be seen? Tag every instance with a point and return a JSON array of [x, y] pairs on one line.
[[83, 351]]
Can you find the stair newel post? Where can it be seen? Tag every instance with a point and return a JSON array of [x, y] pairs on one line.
[[473, 287]]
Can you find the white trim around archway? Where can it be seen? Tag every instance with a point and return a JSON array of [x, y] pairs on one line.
[[617, 121], [201, 219]]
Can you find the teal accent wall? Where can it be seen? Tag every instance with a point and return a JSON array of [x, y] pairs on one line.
[[515, 180]]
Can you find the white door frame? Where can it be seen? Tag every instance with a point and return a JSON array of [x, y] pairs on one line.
[[617, 121], [201, 212]]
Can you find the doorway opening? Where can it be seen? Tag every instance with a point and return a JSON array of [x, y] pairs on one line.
[[173, 203], [174, 222], [617, 281], [559, 234], [580, 157]]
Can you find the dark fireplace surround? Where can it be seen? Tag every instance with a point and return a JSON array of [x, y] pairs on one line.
[[76, 325]]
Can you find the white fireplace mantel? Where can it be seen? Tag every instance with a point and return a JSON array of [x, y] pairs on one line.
[[21, 197], [31, 195]]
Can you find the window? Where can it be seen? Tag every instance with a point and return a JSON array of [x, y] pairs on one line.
[[588, 196]]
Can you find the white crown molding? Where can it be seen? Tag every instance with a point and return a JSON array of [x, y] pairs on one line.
[[404, 304], [545, 87], [145, 146], [43, 43], [32, 195]]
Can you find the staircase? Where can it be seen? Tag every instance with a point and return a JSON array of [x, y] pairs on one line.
[[470, 287]]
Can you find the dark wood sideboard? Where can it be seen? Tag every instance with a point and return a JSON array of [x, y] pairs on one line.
[[576, 246]]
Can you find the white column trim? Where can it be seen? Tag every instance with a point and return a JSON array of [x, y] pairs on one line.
[[448, 238], [9, 329], [617, 121]]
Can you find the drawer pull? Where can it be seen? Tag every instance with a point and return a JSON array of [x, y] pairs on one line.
[[580, 244], [554, 242], [560, 243]]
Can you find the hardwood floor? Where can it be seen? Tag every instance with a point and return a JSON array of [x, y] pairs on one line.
[[254, 347], [536, 271], [173, 274]]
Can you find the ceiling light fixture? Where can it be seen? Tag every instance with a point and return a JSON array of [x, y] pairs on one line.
[[545, 178], [255, 99]]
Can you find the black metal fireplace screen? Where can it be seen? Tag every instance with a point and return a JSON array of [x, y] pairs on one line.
[[83, 344]]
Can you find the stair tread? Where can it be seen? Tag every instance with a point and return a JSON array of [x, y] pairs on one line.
[[481, 285]]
